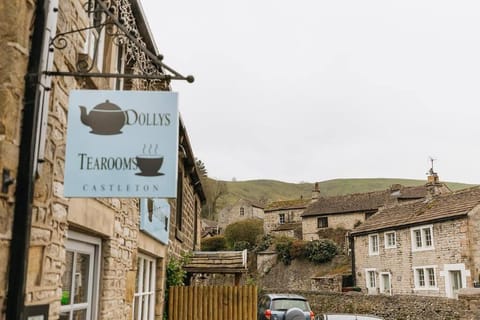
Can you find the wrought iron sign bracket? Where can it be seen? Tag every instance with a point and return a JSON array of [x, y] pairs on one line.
[[153, 67]]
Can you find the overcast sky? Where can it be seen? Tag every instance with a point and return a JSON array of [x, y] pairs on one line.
[[312, 90]]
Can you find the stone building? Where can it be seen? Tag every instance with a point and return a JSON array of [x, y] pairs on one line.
[[242, 209], [427, 247], [350, 210], [80, 258], [283, 218]]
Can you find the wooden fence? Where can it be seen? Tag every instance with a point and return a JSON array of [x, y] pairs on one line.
[[212, 303]]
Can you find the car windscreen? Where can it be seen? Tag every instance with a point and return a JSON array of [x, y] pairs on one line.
[[285, 304]]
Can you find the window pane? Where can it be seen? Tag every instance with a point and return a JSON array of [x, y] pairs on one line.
[[80, 314], [82, 265], [67, 278], [64, 316], [428, 237], [391, 239], [431, 277], [421, 277], [374, 243], [418, 238]]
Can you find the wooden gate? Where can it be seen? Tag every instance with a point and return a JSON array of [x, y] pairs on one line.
[[212, 303]]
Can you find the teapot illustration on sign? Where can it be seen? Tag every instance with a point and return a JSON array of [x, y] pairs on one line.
[[105, 118]]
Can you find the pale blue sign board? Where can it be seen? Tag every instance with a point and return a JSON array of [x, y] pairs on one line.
[[155, 218], [122, 144]]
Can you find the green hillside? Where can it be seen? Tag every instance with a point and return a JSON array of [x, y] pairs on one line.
[[265, 191]]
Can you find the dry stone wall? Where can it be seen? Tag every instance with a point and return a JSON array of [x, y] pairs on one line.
[[395, 307]]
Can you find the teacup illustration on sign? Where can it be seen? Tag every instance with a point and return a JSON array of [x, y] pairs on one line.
[[149, 163], [105, 118]]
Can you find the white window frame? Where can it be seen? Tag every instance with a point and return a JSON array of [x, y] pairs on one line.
[[427, 285], [145, 291], [382, 283], [372, 249], [79, 242], [423, 238], [386, 238], [242, 211], [371, 276], [281, 218]]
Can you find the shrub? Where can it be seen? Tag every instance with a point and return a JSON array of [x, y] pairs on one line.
[[241, 245], [320, 251], [216, 243], [176, 275], [246, 230], [283, 247], [263, 243], [297, 249]]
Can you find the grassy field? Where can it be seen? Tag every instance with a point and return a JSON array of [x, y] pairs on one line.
[[265, 191]]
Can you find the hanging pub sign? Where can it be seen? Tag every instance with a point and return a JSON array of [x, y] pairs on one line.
[[121, 144]]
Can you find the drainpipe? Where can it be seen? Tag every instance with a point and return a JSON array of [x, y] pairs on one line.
[[22, 216], [352, 248]]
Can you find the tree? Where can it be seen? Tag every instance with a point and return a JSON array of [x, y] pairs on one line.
[[248, 230], [201, 168], [212, 188]]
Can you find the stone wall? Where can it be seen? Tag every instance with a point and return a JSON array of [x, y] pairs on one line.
[[395, 307], [271, 218], [184, 239], [474, 242], [330, 283], [345, 221]]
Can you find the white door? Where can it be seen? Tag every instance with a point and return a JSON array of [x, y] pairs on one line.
[[386, 285], [455, 281]]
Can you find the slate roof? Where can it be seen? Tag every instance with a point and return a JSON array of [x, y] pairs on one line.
[[217, 262], [440, 207], [367, 201], [287, 204]]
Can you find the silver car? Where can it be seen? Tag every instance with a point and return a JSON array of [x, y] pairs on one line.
[[284, 307]]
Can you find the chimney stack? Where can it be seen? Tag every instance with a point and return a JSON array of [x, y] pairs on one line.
[[315, 192]]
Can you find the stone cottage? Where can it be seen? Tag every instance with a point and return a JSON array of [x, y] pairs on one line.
[[428, 247], [86, 258], [350, 210], [283, 218], [242, 209]]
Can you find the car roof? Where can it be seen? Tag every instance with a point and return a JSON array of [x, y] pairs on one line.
[[285, 296], [350, 316]]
